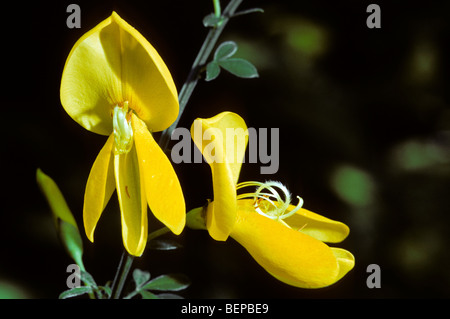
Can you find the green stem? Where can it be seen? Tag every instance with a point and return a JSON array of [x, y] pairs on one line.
[[158, 233], [121, 275], [199, 62], [217, 9], [125, 266]]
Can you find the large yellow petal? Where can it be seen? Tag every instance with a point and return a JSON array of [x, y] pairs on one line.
[[99, 187], [132, 202], [89, 86], [162, 188], [111, 64], [222, 140], [317, 226], [147, 83], [290, 256]]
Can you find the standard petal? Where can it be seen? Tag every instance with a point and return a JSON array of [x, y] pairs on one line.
[[147, 83], [89, 86], [111, 64], [133, 205], [290, 256], [222, 139], [99, 187], [226, 138], [162, 188], [317, 226]]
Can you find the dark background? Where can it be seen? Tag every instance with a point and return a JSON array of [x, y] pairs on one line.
[[364, 138]]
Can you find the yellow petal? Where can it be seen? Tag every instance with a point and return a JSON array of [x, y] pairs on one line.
[[345, 259], [221, 214], [148, 84], [89, 86], [290, 256], [317, 226], [162, 188], [99, 187], [111, 64], [132, 202], [228, 145], [230, 140]]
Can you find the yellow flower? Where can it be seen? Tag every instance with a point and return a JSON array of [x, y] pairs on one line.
[[285, 239], [115, 83]]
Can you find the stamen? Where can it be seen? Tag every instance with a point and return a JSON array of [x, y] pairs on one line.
[[269, 202], [123, 132], [292, 212]]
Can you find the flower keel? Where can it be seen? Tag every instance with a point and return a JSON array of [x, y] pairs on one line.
[[123, 132]]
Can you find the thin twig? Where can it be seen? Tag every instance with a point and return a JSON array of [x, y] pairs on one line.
[[194, 75], [121, 275]]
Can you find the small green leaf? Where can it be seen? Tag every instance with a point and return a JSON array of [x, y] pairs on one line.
[[239, 67], [65, 223], [225, 50], [163, 244], [88, 279], [211, 20], [54, 197], [71, 240], [74, 292], [147, 295], [212, 71], [140, 277], [171, 282]]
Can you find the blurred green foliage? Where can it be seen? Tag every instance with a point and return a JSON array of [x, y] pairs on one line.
[[10, 290], [353, 186]]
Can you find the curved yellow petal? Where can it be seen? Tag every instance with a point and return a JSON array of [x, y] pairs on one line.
[[89, 86], [317, 226], [290, 256], [221, 214], [345, 259], [132, 202], [226, 136], [99, 187], [147, 83], [222, 140], [162, 188], [111, 64]]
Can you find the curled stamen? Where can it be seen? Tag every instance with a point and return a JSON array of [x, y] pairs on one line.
[[268, 201], [284, 203], [292, 212]]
